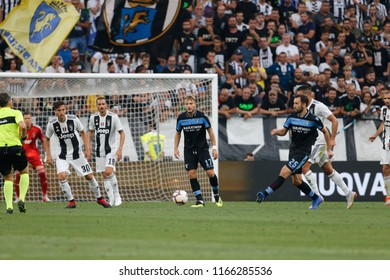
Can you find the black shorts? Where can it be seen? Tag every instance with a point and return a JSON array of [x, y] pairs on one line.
[[193, 157], [296, 159], [12, 157]]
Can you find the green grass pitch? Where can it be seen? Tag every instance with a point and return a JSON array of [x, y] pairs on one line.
[[237, 231]]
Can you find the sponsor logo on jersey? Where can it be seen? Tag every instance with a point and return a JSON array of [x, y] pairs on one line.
[[66, 136], [103, 131]]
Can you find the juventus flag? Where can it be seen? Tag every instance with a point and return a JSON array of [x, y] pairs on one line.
[[138, 25]]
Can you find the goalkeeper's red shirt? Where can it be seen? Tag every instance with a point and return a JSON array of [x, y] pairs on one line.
[[30, 144]]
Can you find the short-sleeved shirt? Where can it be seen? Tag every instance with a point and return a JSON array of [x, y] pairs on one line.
[[194, 129], [68, 143], [106, 129], [9, 127], [321, 111], [304, 131]]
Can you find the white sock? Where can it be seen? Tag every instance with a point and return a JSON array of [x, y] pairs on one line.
[[114, 183], [311, 179], [387, 185], [110, 193], [94, 187], [338, 180], [66, 189]]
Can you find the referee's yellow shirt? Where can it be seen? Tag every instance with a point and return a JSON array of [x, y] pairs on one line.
[[9, 127]]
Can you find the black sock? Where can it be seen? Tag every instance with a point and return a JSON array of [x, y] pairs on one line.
[[305, 188], [277, 183], [196, 189], [214, 186]]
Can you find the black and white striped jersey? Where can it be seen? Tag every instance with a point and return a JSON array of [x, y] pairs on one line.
[[68, 142], [7, 5], [106, 130], [385, 117]]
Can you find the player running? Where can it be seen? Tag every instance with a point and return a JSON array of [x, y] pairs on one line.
[[303, 126], [33, 155], [319, 154], [66, 131], [104, 126], [196, 150], [384, 128]]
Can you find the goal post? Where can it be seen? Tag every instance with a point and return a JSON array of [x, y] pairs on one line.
[[143, 102]]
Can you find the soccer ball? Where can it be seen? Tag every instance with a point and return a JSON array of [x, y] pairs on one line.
[[180, 197]]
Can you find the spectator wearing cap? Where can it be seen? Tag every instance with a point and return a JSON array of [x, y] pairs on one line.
[[381, 63], [304, 49], [308, 28], [326, 64], [362, 58], [290, 49], [238, 69], [284, 70], [335, 69], [231, 37], [121, 67]]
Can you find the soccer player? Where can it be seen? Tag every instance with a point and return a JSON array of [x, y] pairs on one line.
[[194, 124], [318, 154], [303, 126], [66, 131], [12, 155], [105, 125], [385, 157], [33, 155]]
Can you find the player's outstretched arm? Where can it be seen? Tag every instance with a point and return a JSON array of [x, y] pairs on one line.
[[279, 132], [378, 132]]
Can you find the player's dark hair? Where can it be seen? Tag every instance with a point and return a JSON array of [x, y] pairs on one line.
[[26, 113], [4, 99], [58, 104], [304, 88], [101, 98], [303, 98]]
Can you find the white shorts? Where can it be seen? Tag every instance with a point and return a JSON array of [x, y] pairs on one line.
[[81, 166], [319, 155], [385, 157], [107, 161]]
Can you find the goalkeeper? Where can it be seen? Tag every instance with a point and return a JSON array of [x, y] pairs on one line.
[[12, 155], [196, 150]]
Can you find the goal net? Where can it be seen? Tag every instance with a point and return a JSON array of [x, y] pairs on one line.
[[143, 102]]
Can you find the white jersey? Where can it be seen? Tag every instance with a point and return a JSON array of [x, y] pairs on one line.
[[67, 141], [385, 117], [106, 129], [321, 111]]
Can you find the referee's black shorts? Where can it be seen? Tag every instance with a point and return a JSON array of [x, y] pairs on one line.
[[193, 157], [12, 157]]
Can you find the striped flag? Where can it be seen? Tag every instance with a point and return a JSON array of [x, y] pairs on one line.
[[35, 30], [137, 25]]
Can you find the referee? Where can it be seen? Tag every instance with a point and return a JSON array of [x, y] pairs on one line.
[[12, 155]]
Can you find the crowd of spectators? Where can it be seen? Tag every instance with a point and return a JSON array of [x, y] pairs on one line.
[[262, 51]]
